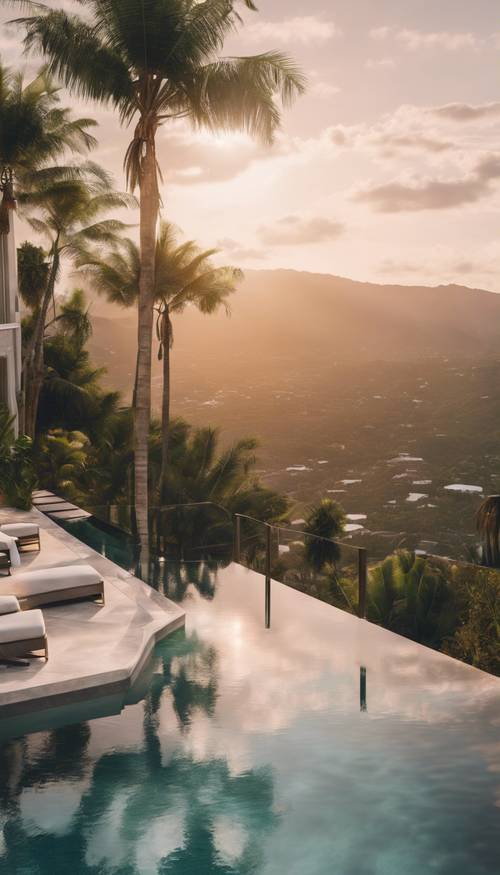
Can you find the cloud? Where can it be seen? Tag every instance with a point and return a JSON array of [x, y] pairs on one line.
[[413, 141], [434, 194], [441, 265], [239, 252], [465, 112], [380, 63], [417, 39], [297, 231], [303, 29], [193, 157], [409, 128], [320, 87]]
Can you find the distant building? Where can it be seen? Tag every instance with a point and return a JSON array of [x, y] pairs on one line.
[[10, 323]]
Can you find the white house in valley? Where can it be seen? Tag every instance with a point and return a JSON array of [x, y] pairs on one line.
[[10, 323]]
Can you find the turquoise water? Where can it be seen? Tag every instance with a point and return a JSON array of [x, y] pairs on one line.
[[323, 745]]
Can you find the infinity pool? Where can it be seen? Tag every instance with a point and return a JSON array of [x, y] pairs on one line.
[[323, 745]]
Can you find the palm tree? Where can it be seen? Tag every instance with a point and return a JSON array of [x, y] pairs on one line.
[[61, 462], [325, 522], [64, 205], [157, 61], [488, 526], [206, 485], [17, 475], [72, 396], [33, 131], [184, 276], [410, 595]]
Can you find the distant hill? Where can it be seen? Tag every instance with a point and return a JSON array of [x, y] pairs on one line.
[[284, 316]]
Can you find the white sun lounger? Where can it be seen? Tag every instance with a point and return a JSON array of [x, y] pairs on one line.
[[9, 604], [52, 585], [27, 534], [22, 633]]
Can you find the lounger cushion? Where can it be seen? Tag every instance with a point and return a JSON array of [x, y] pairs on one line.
[[31, 583], [8, 604], [20, 530], [22, 626]]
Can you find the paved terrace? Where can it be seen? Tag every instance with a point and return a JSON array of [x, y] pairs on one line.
[[94, 650]]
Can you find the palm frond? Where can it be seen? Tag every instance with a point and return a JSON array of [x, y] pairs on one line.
[[241, 93]]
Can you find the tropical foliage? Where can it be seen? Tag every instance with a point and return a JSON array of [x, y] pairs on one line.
[[324, 523], [17, 474], [409, 595], [65, 206], [84, 450]]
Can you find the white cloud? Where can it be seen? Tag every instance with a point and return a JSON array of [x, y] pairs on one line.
[[416, 194], [196, 157], [239, 252], [298, 231], [320, 87], [380, 63], [417, 39], [303, 29], [428, 130], [380, 33], [465, 112]]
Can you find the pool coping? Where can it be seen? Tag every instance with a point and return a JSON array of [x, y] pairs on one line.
[[127, 628]]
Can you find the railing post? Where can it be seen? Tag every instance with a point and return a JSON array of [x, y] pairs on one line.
[[362, 689], [237, 538], [362, 582], [268, 576]]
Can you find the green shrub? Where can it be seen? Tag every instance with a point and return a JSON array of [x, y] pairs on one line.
[[17, 475], [410, 595]]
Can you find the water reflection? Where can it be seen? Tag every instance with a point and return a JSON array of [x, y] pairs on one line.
[[255, 751]]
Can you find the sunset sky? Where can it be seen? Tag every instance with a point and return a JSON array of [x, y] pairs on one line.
[[387, 170]]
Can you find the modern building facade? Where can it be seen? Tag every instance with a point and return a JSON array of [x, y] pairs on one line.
[[10, 324]]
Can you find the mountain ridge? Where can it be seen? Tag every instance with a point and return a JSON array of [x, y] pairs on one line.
[[281, 317]]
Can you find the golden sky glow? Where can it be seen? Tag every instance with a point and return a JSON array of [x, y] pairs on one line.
[[387, 170]]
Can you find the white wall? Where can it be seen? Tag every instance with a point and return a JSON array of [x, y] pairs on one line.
[[10, 329]]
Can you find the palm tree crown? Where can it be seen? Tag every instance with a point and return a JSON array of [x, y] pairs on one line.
[[184, 276], [33, 128], [156, 60], [33, 131]]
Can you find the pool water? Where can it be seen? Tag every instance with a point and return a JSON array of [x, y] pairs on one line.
[[323, 745]]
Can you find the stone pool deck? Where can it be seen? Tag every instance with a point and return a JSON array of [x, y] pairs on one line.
[[94, 650]]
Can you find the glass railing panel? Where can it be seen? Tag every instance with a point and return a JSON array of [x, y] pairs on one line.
[[325, 569], [192, 532], [251, 543], [188, 532]]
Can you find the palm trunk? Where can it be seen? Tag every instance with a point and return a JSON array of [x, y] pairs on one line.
[[165, 406], [33, 361], [149, 203]]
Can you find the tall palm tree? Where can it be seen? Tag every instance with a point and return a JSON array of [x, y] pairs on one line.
[[65, 206], [184, 276], [34, 130], [488, 526], [157, 61]]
